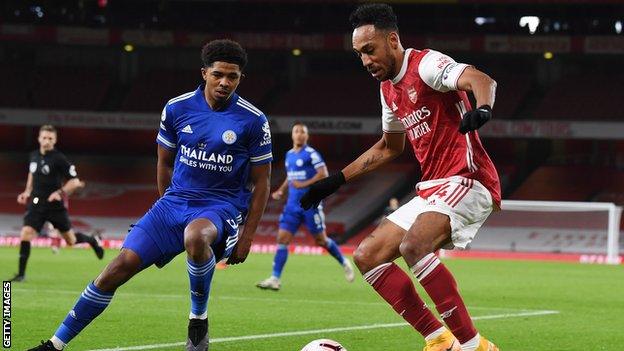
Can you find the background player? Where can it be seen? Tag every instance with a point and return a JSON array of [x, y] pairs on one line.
[[304, 166], [214, 169], [45, 196], [423, 95]]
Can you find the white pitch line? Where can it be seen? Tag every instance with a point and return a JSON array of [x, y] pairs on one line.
[[317, 331], [266, 299]]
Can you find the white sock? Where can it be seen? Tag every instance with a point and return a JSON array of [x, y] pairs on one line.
[[58, 344], [201, 316], [472, 344], [435, 334]]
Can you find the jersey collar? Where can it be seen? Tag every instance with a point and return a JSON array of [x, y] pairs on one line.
[[399, 76]]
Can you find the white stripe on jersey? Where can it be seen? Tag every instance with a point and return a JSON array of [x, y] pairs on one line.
[[249, 104], [247, 108], [181, 97], [461, 107], [319, 165], [469, 155], [165, 141], [261, 158]]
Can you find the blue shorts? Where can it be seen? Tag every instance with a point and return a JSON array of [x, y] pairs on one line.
[[159, 235], [294, 215]]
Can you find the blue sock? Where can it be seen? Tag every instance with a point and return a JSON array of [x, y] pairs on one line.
[[91, 303], [200, 276], [334, 250], [281, 255]]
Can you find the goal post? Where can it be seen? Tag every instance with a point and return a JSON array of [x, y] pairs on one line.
[[590, 230]]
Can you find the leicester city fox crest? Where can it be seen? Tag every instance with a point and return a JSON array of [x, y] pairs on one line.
[[229, 137]]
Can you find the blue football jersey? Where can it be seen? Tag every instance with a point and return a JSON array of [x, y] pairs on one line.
[[214, 149], [301, 166]]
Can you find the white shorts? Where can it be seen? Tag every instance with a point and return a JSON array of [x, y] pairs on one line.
[[466, 201]]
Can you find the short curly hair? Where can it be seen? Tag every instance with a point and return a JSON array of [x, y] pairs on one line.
[[47, 128], [379, 15], [224, 50]]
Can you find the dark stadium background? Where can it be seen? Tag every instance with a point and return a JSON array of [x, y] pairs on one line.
[[102, 71]]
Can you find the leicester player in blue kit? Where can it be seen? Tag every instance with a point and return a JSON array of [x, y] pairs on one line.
[[304, 166], [214, 165]]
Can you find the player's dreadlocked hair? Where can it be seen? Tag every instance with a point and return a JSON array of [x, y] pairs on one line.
[[224, 50], [380, 15]]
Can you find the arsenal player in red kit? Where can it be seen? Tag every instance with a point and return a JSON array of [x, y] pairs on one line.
[[423, 96]]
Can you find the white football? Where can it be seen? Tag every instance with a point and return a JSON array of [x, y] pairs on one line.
[[323, 345]]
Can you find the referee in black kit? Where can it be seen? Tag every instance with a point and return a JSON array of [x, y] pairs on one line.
[[45, 194]]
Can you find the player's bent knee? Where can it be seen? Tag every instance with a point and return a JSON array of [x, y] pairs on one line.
[[320, 240], [284, 237], [27, 233], [198, 236], [70, 238], [119, 271], [196, 243], [412, 248], [283, 241], [365, 259]]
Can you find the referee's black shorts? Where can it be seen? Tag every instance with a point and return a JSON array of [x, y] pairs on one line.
[[36, 216]]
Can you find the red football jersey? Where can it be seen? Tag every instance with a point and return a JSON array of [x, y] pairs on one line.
[[423, 102]]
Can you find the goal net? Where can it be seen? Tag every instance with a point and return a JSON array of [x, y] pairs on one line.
[[587, 231]]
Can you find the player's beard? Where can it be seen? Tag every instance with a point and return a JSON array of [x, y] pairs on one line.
[[391, 64]]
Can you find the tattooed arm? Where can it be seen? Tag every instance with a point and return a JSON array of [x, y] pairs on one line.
[[385, 150]]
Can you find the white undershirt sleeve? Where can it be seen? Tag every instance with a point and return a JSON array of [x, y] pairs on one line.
[[439, 71]]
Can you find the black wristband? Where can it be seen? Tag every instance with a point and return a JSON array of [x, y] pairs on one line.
[[486, 107], [341, 178]]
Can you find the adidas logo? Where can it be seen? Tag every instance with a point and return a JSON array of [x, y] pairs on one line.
[[187, 129], [394, 107]]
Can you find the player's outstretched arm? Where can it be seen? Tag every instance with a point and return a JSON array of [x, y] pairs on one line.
[[261, 179], [164, 169], [23, 197], [484, 89], [385, 150], [321, 173]]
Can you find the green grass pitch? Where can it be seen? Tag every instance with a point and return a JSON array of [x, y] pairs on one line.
[[510, 300]]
